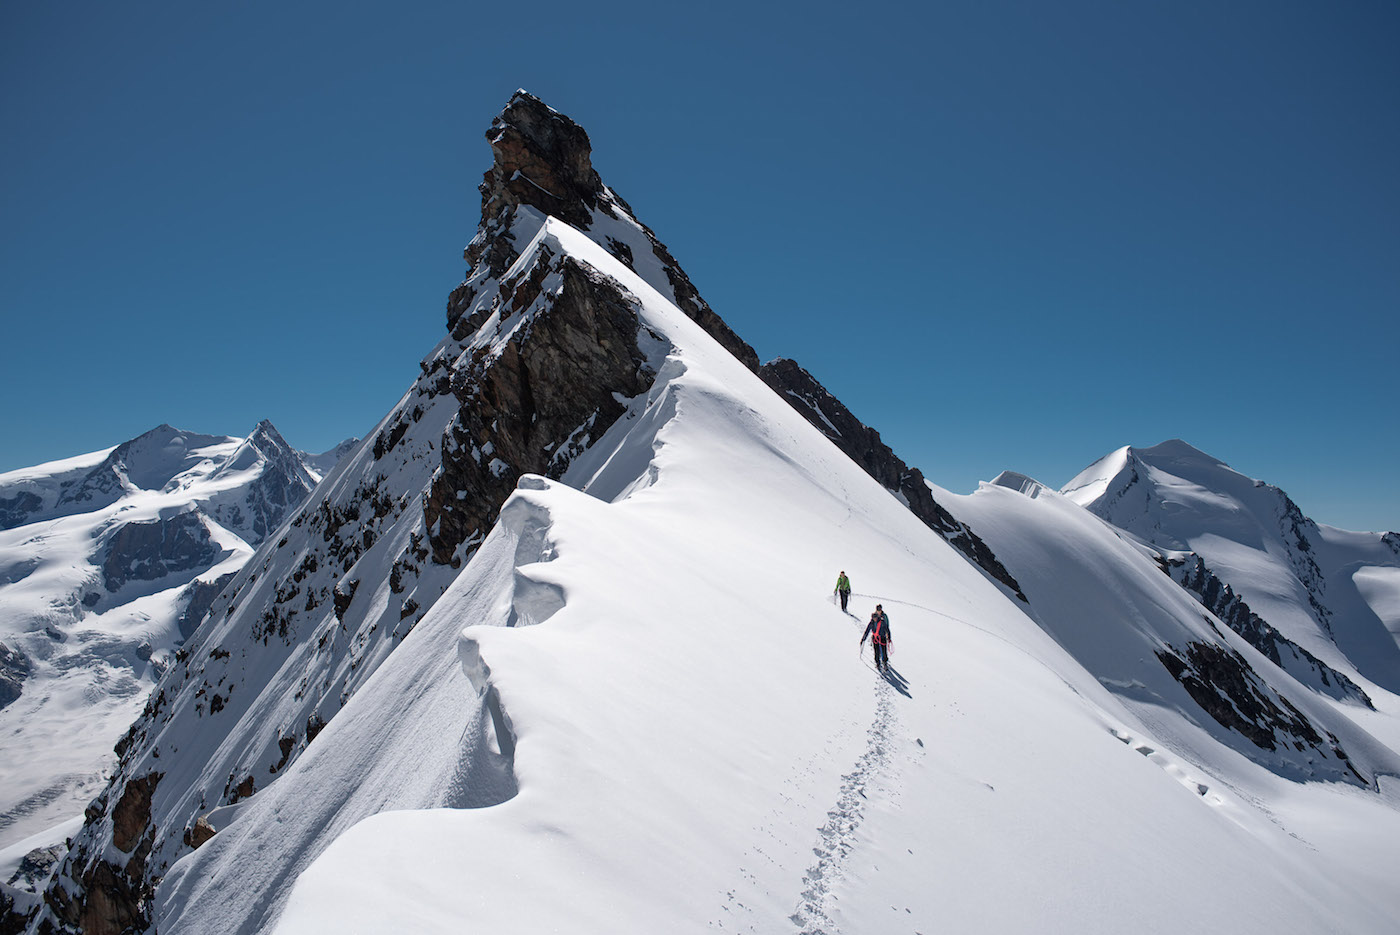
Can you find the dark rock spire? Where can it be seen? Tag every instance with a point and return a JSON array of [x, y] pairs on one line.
[[543, 160]]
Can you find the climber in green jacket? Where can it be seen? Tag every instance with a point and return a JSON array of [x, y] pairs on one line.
[[843, 589]]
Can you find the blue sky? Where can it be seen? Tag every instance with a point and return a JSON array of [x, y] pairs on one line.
[[1008, 235]]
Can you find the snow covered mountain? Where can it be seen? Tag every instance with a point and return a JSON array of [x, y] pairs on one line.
[[1327, 601], [319, 465], [107, 563], [553, 650]]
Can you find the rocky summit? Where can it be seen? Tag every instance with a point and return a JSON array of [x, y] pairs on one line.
[[562, 620], [542, 350], [542, 353]]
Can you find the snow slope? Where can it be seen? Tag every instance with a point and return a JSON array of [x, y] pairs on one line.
[[455, 694], [676, 736], [104, 559], [1330, 591]]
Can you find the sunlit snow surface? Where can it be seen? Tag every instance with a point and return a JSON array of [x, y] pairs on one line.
[[1335, 593], [638, 710], [98, 638]]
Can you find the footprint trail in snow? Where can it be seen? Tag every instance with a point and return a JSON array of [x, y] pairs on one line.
[[836, 838]]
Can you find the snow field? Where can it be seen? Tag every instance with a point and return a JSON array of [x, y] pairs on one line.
[[695, 747]]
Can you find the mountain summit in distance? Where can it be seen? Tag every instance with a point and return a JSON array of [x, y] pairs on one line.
[[564, 621], [1334, 593], [108, 561]]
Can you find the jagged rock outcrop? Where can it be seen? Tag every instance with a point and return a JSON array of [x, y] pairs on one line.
[[19, 895], [282, 484], [14, 667], [862, 444], [1222, 682], [114, 892], [543, 160], [1191, 572], [542, 356], [537, 403], [15, 510], [149, 551]]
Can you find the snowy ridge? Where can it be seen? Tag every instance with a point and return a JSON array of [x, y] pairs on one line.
[[664, 818], [310, 618], [563, 622]]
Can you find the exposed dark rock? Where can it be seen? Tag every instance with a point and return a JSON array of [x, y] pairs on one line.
[[286, 743], [199, 833], [862, 445], [113, 899], [200, 597], [281, 487], [531, 407], [14, 668], [386, 441], [13, 919], [1220, 599], [133, 811], [16, 510], [36, 866], [622, 251], [543, 160], [19, 896], [245, 789], [147, 551], [342, 596], [1294, 527], [1221, 681]]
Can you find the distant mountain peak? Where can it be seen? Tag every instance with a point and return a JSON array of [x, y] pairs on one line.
[[1177, 451]]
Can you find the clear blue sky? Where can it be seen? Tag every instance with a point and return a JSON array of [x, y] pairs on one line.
[[1008, 235]]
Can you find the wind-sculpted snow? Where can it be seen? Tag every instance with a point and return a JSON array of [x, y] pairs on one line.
[[695, 744], [556, 354], [552, 650]]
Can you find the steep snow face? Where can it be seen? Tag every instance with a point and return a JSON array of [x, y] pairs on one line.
[[645, 698], [107, 563], [862, 445], [1328, 590], [1104, 598], [545, 353], [563, 617]]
